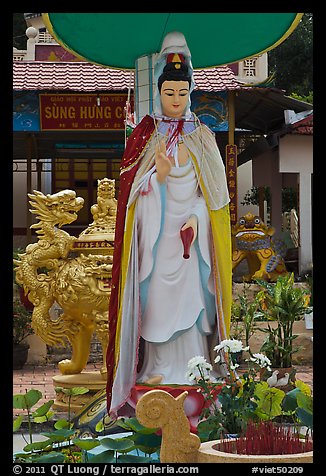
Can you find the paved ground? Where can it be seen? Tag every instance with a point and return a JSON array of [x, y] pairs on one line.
[[40, 378]]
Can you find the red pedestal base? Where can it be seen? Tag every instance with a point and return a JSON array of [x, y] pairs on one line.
[[193, 405]]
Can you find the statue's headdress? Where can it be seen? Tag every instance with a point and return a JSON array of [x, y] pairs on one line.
[[175, 69], [173, 63]]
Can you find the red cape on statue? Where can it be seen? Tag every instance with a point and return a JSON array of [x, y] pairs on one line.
[[129, 166]]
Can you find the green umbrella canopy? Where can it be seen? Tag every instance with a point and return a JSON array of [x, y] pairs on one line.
[[214, 39]]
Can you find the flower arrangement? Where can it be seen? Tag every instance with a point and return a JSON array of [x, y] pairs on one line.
[[232, 405]]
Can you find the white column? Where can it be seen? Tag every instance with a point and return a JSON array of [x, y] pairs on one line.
[[144, 86], [32, 34]]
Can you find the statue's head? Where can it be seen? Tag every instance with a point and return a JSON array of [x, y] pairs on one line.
[[174, 86], [173, 76]]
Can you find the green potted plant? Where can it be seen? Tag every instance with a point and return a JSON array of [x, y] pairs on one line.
[[21, 328], [22, 320], [246, 312], [282, 303]]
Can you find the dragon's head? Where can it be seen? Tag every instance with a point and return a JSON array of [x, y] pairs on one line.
[[59, 208], [250, 228]]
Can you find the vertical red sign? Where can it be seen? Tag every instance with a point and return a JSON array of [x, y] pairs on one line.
[[231, 176]]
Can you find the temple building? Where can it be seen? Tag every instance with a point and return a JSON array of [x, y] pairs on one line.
[[69, 131]]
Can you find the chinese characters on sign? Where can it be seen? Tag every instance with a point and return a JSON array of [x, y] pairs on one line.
[[91, 244], [82, 111], [231, 176]]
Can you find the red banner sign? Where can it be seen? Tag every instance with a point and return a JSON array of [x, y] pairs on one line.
[[82, 112], [231, 176]]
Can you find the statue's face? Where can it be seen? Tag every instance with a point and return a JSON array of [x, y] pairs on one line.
[[174, 98]]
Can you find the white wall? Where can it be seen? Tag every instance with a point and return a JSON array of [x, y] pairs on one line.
[[245, 184], [296, 156]]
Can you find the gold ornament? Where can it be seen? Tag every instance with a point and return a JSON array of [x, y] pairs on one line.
[[72, 272], [254, 242]]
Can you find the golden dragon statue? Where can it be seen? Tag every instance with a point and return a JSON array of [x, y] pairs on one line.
[[254, 241], [73, 272]]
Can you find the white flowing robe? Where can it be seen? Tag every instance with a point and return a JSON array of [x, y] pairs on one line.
[[166, 330], [177, 294]]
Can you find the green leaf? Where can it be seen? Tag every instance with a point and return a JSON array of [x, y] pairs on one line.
[[290, 400], [148, 443], [17, 423], [104, 457], [38, 445], [99, 427], [20, 456], [305, 402], [86, 444], [61, 424], [305, 417], [304, 387], [27, 400], [19, 402], [133, 459], [53, 457], [269, 401], [44, 418], [32, 397], [210, 428], [58, 389], [43, 409], [59, 435], [75, 391], [132, 424], [79, 390], [121, 445]]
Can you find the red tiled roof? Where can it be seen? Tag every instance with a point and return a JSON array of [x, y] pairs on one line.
[[83, 76], [305, 126], [77, 76], [216, 79]]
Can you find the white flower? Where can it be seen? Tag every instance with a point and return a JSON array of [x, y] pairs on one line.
[[197, 360], [198, 368], [234, 366], [230, 345], [261, 360]]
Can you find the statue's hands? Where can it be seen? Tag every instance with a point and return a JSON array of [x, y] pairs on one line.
[[191, 223], [162, 162]]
